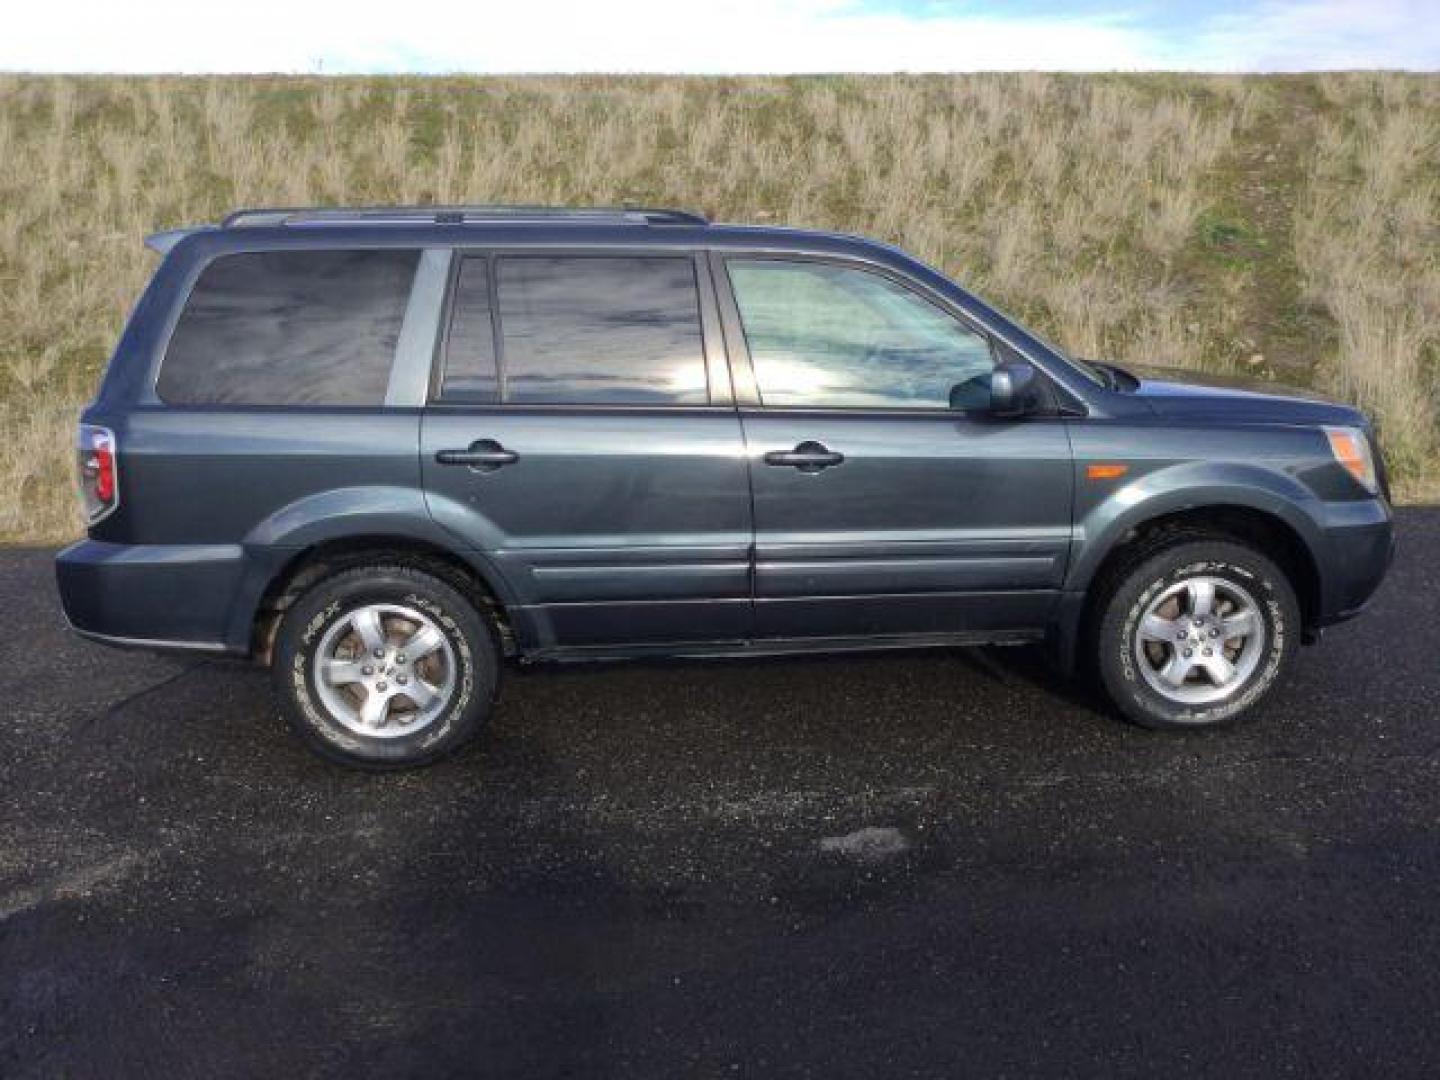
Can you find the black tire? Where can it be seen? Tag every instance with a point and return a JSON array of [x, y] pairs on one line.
[[1126, 593], [472, 656]]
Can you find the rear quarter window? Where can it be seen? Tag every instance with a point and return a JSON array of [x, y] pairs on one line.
[[315, 328]]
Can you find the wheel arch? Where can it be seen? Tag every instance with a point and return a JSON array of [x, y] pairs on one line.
[[300, 568], [1268, 533], [1278, 529]]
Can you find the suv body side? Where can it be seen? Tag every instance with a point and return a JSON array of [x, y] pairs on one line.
[[217, 502]]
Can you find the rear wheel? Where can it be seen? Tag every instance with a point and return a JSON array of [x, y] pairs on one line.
[[1194, 632], [385, 667]]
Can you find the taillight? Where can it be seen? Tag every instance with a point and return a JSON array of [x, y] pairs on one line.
[[99, 471]]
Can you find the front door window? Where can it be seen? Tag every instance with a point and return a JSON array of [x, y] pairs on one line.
[[823, 336]]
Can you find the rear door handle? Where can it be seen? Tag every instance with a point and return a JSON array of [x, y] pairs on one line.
[[483, 455], [808, 457]]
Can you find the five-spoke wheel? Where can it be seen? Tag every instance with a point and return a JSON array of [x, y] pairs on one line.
[[1192, 630], [384, 670], [1200, 639], [386, 666]]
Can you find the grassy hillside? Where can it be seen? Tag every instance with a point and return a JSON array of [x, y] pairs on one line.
[[1285, 226]]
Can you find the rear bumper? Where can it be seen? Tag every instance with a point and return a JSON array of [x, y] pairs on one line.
[[153, 596]]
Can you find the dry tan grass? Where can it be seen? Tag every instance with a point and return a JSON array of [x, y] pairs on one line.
[[1134, 217], [1367, 241]]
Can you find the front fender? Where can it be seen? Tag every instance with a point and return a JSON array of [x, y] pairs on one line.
[[1188, 486]]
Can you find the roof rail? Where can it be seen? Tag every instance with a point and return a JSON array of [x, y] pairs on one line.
[[456, 215]]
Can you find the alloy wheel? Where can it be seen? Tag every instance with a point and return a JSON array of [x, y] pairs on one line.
[[385, 670], [1200, 640]]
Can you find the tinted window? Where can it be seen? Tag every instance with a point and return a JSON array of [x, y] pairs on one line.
[[290, 328], [824, 336], [601, 330], [470, 370]]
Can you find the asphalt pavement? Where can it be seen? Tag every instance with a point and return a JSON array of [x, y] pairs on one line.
[[941, 864]]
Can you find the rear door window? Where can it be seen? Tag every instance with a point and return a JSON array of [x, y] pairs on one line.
[[590, 330], [276, 328]]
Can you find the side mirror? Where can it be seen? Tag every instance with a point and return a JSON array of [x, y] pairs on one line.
[[1012, 388]]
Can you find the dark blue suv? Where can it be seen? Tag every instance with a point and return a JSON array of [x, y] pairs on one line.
[[382, 450]]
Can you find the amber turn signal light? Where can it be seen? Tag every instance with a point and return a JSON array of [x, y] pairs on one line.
[[1105, 471], [1352, 450]]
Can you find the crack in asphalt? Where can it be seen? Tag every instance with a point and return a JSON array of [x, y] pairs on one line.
[[114, 709]]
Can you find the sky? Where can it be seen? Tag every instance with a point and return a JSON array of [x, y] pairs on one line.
[[745, 36]]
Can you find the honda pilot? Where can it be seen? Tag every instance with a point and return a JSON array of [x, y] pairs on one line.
[[387, 451]]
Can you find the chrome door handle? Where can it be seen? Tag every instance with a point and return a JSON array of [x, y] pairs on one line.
[[483, 455], [808, 457]]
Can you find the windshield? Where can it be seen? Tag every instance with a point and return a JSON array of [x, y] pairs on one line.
[[1093, 372]]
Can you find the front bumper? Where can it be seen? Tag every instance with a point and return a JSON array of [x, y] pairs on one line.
[[156, 596], [1356, 549]]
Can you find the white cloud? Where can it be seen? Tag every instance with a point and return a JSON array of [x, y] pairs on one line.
[[661, 36]]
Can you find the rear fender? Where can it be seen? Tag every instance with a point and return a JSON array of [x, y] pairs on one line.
[[380, 512]]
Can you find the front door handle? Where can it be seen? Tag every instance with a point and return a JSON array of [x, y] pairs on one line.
[[808, 457], [483, 455]]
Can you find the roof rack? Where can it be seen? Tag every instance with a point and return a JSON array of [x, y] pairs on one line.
[[456, 215]]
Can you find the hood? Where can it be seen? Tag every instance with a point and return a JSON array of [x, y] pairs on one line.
[[1194, 394]]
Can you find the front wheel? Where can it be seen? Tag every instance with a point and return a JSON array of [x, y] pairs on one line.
[[385, 667], [1195, 634]]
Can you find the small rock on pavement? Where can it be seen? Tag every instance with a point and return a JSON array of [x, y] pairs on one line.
[[870, 844]]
